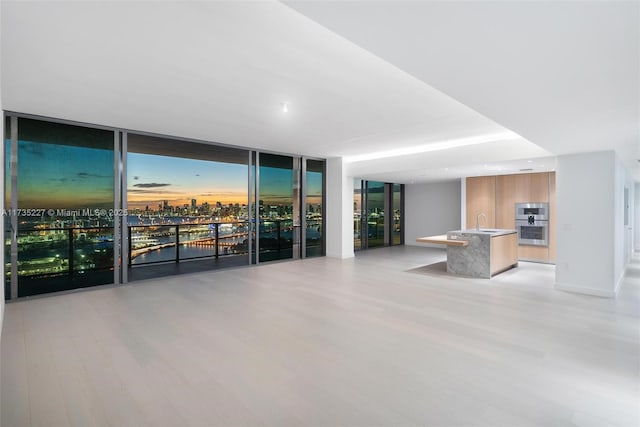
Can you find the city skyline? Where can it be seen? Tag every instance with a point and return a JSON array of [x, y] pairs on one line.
[[83, 177], [151, 181]]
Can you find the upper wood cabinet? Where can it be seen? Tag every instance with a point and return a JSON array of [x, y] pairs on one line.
[[532, 188], [552, 216], [481, 198], [506, 201]]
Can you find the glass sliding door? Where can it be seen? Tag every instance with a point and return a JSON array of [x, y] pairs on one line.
[[279, 215], [357, 215], [377, 214], [397, 201], [375, 210], [186, 200], [87, 206], [9, 240], [254, 215], [60, 198], [314, 208]]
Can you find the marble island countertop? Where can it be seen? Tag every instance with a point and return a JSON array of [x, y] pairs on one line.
[[483, 231], [492, 231], [462, 237]]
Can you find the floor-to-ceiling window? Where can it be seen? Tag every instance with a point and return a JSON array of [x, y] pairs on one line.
[[397, 201], [378, 214], [357, 214], [87, 205], [185, 200], [59, 201], [279, 215], [314, 207]]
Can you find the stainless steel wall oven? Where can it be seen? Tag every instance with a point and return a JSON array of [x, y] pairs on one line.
[[532, 223]]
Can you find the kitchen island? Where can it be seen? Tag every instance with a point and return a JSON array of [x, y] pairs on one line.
[[478, 253]]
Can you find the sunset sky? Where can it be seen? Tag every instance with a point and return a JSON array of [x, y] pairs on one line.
[[153, 179], [52, 176]]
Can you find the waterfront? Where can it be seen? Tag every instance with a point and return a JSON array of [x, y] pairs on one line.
[[232, 241], [85, 244]]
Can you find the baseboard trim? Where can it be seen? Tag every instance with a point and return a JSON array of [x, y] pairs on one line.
[[537, 261], [340, 255], [586, 291], [620, 280]]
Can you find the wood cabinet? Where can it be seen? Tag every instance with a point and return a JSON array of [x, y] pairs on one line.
[[504, 252], [506, 201], [532, 188], [507, 191], [481, 198]]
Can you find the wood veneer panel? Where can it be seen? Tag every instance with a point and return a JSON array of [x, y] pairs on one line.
[[505, 201], [532, 188], [442, 240], [500, 209], [481, 198], [504, 252], [521, 188], [533, 253], [552, 217]]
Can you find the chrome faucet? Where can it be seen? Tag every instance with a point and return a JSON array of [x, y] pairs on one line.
[[481, 214]]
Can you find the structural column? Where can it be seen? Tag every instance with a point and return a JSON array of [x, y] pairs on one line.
[[339, 211], [590, 236]]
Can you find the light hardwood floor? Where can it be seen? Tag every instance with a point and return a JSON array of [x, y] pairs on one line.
[[382, 339]]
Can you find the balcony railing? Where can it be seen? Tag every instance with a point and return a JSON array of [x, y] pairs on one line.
[[76, 254], [61, 251], [149, 244]]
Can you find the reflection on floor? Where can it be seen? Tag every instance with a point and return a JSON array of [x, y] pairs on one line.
[[152, 271], [374, 340]]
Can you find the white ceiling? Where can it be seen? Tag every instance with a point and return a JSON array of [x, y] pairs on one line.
[[220, 71], [563, 74]]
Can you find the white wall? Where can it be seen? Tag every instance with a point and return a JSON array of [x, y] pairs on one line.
[[431, 209], [590, 230], [623, 233], [636, 217], [339, 214]]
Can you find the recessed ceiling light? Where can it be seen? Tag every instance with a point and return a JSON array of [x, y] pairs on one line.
[[285, 107], [529, 161]]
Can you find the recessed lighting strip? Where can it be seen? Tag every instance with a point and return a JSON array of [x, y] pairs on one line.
[[436, 146]]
